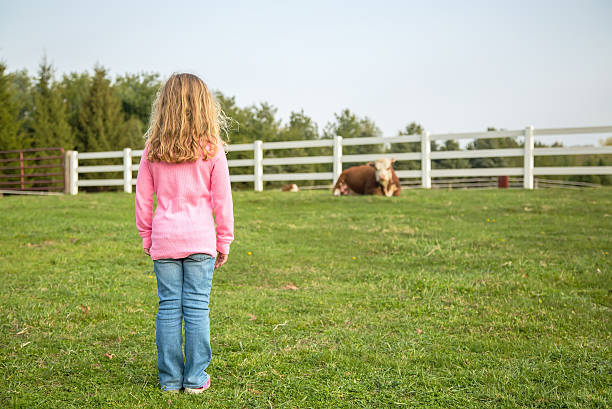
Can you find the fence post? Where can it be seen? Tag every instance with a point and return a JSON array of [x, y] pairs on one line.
[[73, 165], [425, 160], [127, 170], [528, 159], [337, 161], [258, 166], [21, 169], [66, 163]]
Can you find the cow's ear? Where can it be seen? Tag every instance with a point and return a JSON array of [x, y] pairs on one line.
[[370, 164], [392, 161]]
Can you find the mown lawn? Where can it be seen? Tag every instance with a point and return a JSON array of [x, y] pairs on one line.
[[433, 299]]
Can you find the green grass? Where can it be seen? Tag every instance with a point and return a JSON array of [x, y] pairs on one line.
[[433, 299]]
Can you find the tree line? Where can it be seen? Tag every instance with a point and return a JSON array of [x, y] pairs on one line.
[[92, 112]]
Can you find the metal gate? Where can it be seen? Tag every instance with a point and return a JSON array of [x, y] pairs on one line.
[[32, 170]]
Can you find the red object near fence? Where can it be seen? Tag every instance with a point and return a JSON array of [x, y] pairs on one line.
[[19, 168], [503, 182]]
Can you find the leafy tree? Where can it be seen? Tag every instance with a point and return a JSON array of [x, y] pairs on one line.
[[302, 127], [134, 135], [412, 128], [403, 147], [494, 143], [236, 133], [137, 92], [262, 125], [235, 115], [348, 125], [450, 145], [256, 122]]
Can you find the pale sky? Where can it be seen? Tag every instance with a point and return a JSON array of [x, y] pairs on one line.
[[452, 66]]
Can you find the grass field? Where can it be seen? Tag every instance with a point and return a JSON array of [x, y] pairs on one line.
[[433, 299]]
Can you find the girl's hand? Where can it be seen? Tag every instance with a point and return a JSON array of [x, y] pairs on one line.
[[147, 252], [221, 259]]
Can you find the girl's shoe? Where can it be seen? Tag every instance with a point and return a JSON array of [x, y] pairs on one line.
[[200, 389]]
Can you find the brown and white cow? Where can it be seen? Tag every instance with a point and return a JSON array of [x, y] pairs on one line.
[[373, 178], [290, 188]]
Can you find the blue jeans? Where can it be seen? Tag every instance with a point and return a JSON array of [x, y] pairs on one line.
[[183, 287]]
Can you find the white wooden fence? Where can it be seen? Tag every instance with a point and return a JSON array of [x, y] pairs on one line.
[[426, 173]]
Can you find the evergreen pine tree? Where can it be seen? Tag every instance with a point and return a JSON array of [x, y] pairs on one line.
[[21, 90], [101, 125], [9, 115], [74, 88], [50, 125]]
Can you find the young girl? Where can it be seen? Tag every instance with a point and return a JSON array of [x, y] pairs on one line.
[[184, 164]]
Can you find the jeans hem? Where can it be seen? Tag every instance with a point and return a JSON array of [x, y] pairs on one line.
[[200, 385], [170, 389]]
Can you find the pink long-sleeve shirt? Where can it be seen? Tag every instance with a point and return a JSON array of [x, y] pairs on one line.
[[187, 195]]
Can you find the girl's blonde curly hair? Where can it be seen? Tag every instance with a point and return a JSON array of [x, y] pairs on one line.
[[185, 119]]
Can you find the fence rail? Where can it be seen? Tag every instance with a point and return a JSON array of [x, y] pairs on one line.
[[528, 171]]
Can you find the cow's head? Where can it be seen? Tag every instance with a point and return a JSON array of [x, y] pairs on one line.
[[384, 170]]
